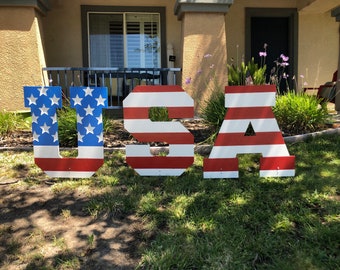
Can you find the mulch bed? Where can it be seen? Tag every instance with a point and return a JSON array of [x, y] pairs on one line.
[[118, 137]]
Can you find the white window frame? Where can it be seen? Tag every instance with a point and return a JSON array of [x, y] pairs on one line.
[[125, 36]]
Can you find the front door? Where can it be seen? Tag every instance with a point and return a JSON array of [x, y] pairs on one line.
[[273, 31]]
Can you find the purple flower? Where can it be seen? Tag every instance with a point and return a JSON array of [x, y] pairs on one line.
[[264, 54], [188, 80], [199, 72], [284, 58], [207, 55], [284, 64], [212, 66]]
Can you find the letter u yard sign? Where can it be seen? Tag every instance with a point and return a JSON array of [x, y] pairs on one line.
[[88, 103], [246, 105]]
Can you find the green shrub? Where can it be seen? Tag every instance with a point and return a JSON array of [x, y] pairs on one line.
[[67, 127], [214, 110], [158, 114], [299, 113], [295, 113], [9, 122], [213, 113]]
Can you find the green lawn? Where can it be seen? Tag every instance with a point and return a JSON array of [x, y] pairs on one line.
[[246, 223]]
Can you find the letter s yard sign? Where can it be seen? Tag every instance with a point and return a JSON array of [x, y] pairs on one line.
[[136, 121], [246, 105]]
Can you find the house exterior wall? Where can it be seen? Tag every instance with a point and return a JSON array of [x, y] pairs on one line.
[[63, 36], [22, 55], [50, 34], [316, 6], [318, 37], [236, 19], [204, 67], [318, 47]]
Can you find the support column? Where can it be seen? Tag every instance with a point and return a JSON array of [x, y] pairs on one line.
[[204, 48], [336, 14], [21, 47]]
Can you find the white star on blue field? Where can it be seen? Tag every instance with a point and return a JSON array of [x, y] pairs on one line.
[[88, 102]]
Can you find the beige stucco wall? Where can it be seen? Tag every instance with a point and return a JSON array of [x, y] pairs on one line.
[[318, 47], [63, 36], [316, 6], [22, 48], [22, 55], [316, 51], [318, 42], [204, 55]]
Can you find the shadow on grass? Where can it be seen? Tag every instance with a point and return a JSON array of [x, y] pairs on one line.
[[119, 220], [47, 224], [252, 222]]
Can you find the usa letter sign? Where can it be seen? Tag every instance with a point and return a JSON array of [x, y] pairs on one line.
[[246, 105]]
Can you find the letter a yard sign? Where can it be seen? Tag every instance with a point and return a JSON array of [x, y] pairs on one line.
[[247, 105]]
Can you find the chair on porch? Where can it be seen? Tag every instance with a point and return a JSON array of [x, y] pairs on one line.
[[327, 91]]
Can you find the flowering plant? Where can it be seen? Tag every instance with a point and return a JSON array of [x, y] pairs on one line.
[[246, 74], [278, 72]]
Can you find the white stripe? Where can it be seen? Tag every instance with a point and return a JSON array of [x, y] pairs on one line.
[[221, 174], [250, 100], [158, 99], [46, 151], [277, 173], [273, 150], [90, 152], [160, 172], [259, 125], [83, 152], [69, 174], [175, 150], [147, 126]]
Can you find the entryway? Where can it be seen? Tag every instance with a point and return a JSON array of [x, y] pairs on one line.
[[277, 28]]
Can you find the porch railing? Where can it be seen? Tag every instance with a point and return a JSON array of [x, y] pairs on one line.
[[119, 81]]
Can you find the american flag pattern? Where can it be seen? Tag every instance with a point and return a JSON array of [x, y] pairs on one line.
[[88, 102], [249, 104], [136, 120]]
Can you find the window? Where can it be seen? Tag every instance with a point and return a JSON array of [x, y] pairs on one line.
[[124, 39]]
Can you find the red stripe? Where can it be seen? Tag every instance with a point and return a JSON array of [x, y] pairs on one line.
[[277, 163], [249, 89], [157, 88], [143, 112], [220, 164], [136, 113], [260, 138], [171, 138], [249, 113], [69, 164], [160, 162], [181, 112]]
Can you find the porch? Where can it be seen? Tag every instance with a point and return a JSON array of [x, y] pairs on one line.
[[119, 81]]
